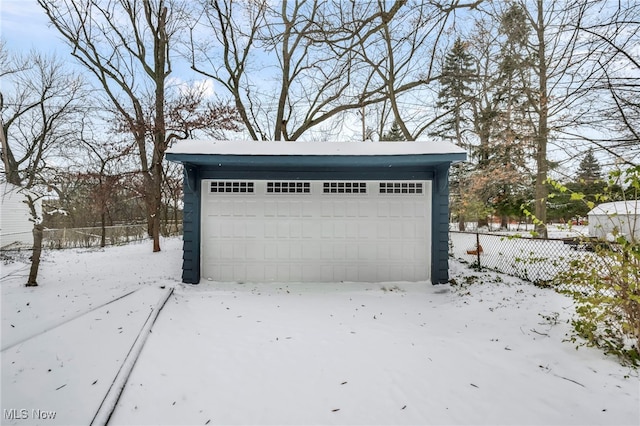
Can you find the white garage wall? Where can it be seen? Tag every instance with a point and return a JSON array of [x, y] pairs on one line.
[[274, 231]]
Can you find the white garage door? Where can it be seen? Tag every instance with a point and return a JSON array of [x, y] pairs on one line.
[[324, 231]]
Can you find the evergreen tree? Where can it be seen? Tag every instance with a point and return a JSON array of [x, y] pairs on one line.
[[501, 177], [394, 133], [589, 169], [458, 73], [587, 181]]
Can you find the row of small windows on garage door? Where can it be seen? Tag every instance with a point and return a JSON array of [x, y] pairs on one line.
[[333, 187]]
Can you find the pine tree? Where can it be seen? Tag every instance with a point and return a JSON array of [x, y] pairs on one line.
[[501, 177], [458, 73], [394, 133], [587, 182], [589, 169]]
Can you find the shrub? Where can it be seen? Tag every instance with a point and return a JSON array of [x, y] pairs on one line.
[[605, 284]]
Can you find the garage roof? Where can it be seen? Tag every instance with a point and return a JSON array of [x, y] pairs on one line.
[[203, 152], [629, 207], [190, 146]]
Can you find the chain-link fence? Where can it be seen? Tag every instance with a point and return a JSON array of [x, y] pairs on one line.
[[532, 259], [85, 237], [91, 237]]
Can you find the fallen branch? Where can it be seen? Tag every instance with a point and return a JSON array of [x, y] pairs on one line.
[[571, 380]]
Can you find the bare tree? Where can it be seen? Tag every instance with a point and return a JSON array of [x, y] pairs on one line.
[[554, 92], [312, 79], [104, 165], [296, 65], [125, 45], [611, 38], [405, 54], [39, 112], [128, 47]]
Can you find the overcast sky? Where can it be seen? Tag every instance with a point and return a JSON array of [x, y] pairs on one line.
[[23, 25]]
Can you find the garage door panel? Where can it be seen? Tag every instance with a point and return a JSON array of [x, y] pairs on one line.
[[382, 251], [226, 208], [253, 272], [270, 229], [351, 273], [339, 209], [395, 252], [295, 229], [270, 209], [367, 230], [285, 208], [270, 272], [314, 235], [254, 230], [352, 253], [239, 230], [270, 251], [327, 230], [308, 208], [383, 208], [326, 209], [252, 208], [311, 252], [283, 250], [366, 252], [254, 252], [408, 209], [408, 230], [239, 250], [339, 251], [339, 230], [296, 250], [395, 209], [295, 209], [326, 252], [295, 272], [283, 229], [395, 229], [351, 208], [311, 230]]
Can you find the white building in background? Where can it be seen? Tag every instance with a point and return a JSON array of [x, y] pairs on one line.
[[621, 217], [15, 224]]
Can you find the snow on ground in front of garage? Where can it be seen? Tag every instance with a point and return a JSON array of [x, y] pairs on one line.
[[489, 350]]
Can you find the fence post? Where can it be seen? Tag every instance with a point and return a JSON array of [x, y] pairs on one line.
[[478, 250]]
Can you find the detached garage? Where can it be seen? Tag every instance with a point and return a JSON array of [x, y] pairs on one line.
[[315, 211]]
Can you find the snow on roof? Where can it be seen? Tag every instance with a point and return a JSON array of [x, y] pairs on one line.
[[617, 207], [190, 146]]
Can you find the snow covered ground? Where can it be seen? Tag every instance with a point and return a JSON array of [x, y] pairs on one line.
[[489, 350]]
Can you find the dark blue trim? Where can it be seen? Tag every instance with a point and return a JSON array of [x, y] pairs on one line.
[[305, 161], [191, 226], [440, 226]]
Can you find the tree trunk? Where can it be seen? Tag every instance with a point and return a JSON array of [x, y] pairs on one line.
[[504, 222], [541, 189], [38, 229], [156, 200], [152, 200], [462, 226], [103, 229]]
